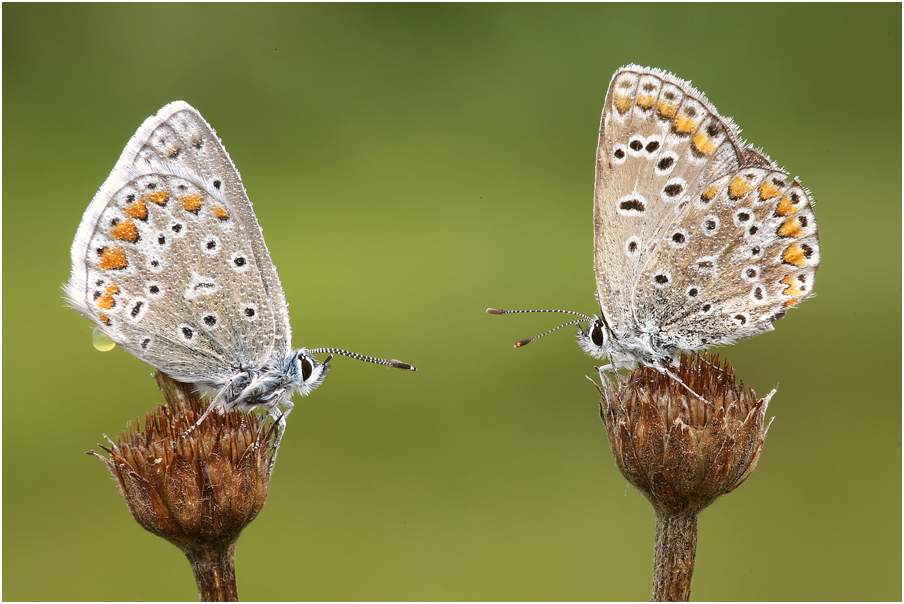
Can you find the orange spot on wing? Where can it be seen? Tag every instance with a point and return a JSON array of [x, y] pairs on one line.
[[794, 255], [685, 125], [792, 302], [103, 318], [790, 228], [138, 210], [709, 193], [792, 289], [704, 144], [126, 231], [112, 289], [106, 302], [667, 109], [622, 103], [738, 188], [112, 258], [645, 101], [192, 203], [768, 191], [220, 212], [785, 207], [160, 197]]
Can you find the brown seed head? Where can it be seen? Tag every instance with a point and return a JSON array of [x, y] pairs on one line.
[[196, 490], [680, 452]]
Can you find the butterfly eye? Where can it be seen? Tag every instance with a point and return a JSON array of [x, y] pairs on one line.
[[596, 334], [306, 367]]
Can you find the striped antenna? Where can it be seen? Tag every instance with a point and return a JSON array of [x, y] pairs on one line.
[[520, 343], [361, 357]]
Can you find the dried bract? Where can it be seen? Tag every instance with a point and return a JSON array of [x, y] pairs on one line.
[[196, 488], [679, 451]]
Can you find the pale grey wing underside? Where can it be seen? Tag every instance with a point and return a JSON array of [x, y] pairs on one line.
[[179, 135], [170, 277], [673, 185], [170, 247], [740, 275]]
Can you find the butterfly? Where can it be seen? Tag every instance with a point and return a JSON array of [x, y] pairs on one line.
[[699, 239], [170, 263]]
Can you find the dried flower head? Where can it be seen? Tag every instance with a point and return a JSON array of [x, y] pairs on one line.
[[682, 452], [677, 450], [196, 488]]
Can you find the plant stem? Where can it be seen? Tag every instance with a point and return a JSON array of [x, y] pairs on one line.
[[214, 570], [676, 550]]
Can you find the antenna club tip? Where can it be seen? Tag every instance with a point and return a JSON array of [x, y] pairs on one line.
[[521, 343], [401, 365], [495, 311]]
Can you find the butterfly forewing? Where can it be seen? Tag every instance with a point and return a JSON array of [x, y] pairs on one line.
[[179, 135], [169, 259]]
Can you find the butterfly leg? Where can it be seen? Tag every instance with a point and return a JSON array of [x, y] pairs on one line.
[[704, 360], [675, 377], [280, 418], [216, 403], [604, 368], [660, 368], [604, 381]]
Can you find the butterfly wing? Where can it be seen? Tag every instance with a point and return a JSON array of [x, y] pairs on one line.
[[647, 165], [169, 259], [748, 251], [724, 241]]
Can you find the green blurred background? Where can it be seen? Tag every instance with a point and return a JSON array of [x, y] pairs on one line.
[[410, 166]]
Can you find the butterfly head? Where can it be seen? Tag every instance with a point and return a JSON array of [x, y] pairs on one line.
[[595, 341], [306, 372]]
